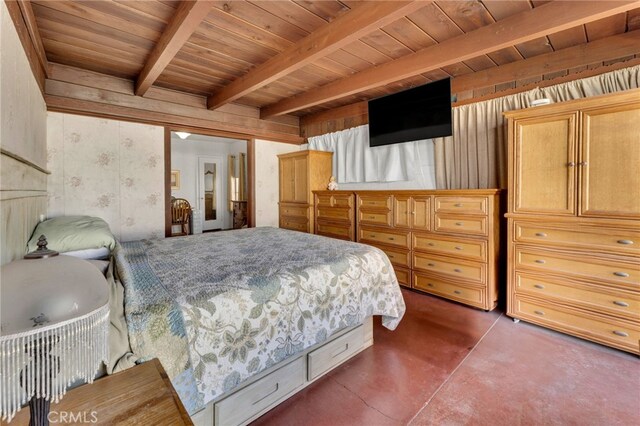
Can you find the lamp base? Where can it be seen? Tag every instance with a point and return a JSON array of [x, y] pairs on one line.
[[39, 408]]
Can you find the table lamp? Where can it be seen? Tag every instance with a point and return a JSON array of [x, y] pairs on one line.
[[54, 331]]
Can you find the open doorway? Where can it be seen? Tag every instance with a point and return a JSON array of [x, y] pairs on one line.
[[209, 174]]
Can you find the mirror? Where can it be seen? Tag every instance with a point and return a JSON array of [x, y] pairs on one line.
[[210, 176], [237, 182]]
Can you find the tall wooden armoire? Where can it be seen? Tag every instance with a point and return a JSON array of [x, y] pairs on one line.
[[574, 218], [302, 172]]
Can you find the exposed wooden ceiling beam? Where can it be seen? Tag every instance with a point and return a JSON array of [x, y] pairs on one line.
[[360, 21], [188, 17], [34, 33], [543, 20], [617, 46]]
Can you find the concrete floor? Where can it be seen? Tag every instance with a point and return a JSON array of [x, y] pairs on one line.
[[447, 364]]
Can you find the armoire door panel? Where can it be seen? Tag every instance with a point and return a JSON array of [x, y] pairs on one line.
[[402, 211], [287, 180], [301, 194], [545, 165], [610, 162]]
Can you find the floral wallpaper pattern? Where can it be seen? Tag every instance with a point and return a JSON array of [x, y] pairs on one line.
[[107, 168]]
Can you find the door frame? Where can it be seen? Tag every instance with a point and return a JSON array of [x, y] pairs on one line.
[[251, 171], [222, 212]]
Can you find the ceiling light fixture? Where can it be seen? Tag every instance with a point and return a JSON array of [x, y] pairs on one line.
[[183, 135]]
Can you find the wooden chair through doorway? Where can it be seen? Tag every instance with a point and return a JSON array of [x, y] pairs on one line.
[[180, 214]]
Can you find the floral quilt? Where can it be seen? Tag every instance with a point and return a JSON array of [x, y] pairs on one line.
[[218, 308]]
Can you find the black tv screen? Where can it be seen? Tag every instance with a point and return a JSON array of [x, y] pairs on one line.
[[420, 113]]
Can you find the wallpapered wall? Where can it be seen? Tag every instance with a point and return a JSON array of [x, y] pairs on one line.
[[110, 169], [23, 121]]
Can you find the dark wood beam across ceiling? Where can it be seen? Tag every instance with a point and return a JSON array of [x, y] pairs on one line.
[[363, 19], [546, 19], [187, 19]]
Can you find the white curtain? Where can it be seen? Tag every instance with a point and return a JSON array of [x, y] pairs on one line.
[[355, 162]]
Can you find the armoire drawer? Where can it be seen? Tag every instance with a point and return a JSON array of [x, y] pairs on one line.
[[470, 295], [334, 213], [457, 269], [403, 275], [375, 217], [451, 246], [625, 272], [374, 201], [294, 224], [619, 333], [397, 256], [398, 239], [597, 298], [473, 225], [461, 205], [246, 403], [294, 210], [332, 354], [335, 230], [606, 238]]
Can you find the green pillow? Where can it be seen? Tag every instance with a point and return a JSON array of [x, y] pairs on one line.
[[71, 233]]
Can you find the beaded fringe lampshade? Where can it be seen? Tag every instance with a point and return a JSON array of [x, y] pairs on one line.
[[55, 325]]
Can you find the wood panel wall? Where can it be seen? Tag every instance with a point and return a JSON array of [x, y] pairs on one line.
[[354, 115]]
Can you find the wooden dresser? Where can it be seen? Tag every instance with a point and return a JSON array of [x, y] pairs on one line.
[[574, 218], [301, 172], [334, 214], [441, 242]]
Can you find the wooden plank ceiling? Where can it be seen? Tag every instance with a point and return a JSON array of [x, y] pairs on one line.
[[223, 50]]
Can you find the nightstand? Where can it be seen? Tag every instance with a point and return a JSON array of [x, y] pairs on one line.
[[142, 395]]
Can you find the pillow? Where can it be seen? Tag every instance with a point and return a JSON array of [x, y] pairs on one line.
[[90, 254], [72, 233]]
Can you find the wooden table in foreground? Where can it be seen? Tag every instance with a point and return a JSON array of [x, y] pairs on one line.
[[142, 395]]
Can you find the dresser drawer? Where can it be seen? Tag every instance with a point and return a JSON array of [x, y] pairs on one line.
[[458, 269], [335, 200], [398, 239], [606, 238], [335, 230], [246, 403], [332, 354], [470, 295], [473, 225], [294, 210], [619, 333], [584, 266], [375, 217], [462, 205], [374, 201], [604, 300], [403, 275], [397, 256], [334, 213], [295, 224], [452, 246]]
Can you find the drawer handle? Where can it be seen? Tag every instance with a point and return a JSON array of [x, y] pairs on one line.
[[457, 291], [431, 245], [268, 395], [540, 286], [541, 234], [431, 264], [625, 242], [571, 164], [620, 333], [457, 205], [541, 261], [372, 217], [619, 303], [429, 285], [346, 347], [458, 248], [459, 223], [372, 236], [538, 313], [621, 274], [391, 239], [457, 270]]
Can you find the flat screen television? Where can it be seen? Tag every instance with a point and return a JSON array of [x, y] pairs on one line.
[[419, 113]]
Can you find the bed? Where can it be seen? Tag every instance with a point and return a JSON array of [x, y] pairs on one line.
[[219, 309]]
